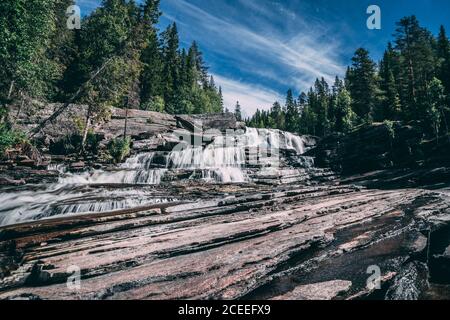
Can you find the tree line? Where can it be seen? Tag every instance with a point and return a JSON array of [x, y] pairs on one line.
[[410, 83], [118, 58]]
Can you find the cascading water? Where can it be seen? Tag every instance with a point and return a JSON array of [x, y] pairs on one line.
[[136, 170], [224, 160], [221, 161]]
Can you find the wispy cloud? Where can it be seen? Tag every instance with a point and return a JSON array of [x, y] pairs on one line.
[[256, 49], [270, 45], [250, 96]]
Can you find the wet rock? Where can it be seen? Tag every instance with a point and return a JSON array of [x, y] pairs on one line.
[[5, 181], [380, 147], [410, 283], [77, 166], [189, 123], [220, 122], [446, 253], [418, 243], [302, 162], [231, 242], [318, 291], [160, 159], [27, 163], [440, 267]]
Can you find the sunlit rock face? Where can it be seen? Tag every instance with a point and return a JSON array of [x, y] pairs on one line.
[[237, 156]]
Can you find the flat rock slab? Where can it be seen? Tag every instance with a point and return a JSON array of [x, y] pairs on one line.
[[317, 291], [256, 242]]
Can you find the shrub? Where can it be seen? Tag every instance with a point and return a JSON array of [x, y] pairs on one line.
[[92, 142], [119, 148], [390, 128], [9, 138], [155, 104]]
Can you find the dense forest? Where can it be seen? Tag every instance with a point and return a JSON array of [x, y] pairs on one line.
[[118, 58], [410, 83]]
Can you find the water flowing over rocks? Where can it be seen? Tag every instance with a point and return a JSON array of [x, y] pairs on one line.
[[228, 242], [247, 215]]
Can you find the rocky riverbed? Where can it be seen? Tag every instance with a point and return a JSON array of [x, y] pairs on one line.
[[222, 222], [236, 242]]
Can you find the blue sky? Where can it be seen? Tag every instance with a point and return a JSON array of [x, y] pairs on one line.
[[258, 49]]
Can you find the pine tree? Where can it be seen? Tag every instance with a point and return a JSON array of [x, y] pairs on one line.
[[222, 107], [415, 45], [238, 111], [338, 86], [171, 75], [26, 31], [309, 116], [277, 116], [62, 50], [200, 67], [435, 106], [151, 90], [390, 107], [362, 84], [345, 117], [292, 115], [321, 107], [443, 53]]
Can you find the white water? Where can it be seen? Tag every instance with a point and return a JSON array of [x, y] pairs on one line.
[[222, 161]]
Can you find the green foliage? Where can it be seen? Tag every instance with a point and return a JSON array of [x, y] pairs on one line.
[[417, 64], [140, 67], [435, 105], [412, 82], [390, 128], [238, 112], [119, 148], [26, 30], [71, 144], [362, 84], [345, 117], [155, 104], [9, 138]]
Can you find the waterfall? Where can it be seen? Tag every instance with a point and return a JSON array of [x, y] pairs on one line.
[[226, 159], [56, 200], [221, 161], [294, 142]]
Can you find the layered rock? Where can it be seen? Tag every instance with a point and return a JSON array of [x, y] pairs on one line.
[[231, 242], [226, 222]]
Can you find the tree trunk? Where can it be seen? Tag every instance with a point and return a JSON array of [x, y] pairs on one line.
[[126, 119], [59, 111], [22, 102], [11, 89], [86, 130], [126, 123]]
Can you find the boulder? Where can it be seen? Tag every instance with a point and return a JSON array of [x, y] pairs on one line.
[[199, 123]]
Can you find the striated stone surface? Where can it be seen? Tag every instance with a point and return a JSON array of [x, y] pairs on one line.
[[317, 291], [289, 232], [224, 242]]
